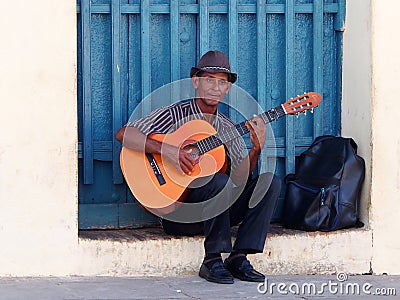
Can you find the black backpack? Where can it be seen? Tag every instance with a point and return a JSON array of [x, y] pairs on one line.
[[324, 192]]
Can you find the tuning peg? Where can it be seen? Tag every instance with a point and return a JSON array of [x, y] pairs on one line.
[[297, 115], [312, 110], [305, 112]]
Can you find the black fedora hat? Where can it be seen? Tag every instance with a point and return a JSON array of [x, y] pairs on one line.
[[214, 62]]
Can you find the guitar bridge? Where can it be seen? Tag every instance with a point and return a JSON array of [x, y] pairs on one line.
[[155, 168]]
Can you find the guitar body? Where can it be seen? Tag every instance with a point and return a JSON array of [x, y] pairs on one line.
[[162, 185]]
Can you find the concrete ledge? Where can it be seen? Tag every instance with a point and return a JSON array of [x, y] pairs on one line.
[[286, 252]]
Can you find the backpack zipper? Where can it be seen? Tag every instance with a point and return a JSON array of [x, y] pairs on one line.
[[322, 201], [315, 191]]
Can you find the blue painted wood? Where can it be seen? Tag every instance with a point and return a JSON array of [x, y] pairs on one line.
[[290, 87], [188, 8], [261, 55], [339, 23], [97, 216], [279, 48], [340, 15], [116, 87], [145, 54], [232, 54], [111, 215], [203, 28], [87, 94], [318, 39], [267, 164], [134, 63], [331, 107], [175, 41]]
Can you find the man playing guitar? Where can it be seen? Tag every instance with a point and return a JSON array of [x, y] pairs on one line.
[[247, 201]]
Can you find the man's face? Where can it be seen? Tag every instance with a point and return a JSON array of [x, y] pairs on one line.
[[211, 87]]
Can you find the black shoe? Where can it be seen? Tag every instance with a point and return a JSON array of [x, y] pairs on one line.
[[245, 271], [217, 273]]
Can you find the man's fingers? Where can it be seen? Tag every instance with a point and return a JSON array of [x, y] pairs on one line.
[[186, 162]]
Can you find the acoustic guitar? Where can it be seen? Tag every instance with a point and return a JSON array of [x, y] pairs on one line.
[[157, 184]]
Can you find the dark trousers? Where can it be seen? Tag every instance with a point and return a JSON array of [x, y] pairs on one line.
[[253, 210]]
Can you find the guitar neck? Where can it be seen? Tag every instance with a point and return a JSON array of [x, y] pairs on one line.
[[236, 131]]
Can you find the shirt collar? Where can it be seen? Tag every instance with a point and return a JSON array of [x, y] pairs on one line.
[[196, 110]]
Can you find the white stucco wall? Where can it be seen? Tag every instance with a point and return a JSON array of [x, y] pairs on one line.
[[371, 76], [38, 154], [385, 199], [356, 102], [38, 121]]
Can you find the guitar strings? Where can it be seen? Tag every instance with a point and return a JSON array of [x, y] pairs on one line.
[[216, 140]]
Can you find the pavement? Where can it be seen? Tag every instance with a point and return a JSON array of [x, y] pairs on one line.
[[193, 287]]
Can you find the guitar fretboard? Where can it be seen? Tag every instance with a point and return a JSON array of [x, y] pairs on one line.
[[236, 131]]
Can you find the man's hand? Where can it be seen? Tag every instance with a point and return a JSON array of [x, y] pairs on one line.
[[258, 133], [246, 167], [179, 157]]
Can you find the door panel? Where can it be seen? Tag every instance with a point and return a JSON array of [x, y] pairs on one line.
[[127, 49]]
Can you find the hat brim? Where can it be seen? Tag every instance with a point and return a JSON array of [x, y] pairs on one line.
[[232, 77]]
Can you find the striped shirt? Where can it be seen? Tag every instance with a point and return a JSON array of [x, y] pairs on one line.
[[169, 118]]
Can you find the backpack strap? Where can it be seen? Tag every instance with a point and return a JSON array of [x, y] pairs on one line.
[[353, 145]]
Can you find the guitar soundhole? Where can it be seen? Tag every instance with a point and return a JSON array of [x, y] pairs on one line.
[[195, 151]]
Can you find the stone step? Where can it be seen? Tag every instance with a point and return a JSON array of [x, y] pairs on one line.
[[149, 251]]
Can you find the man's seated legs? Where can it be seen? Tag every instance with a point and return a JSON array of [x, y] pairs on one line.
[[253, 209]]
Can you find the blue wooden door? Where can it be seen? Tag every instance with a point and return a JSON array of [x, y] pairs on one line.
[[128, 48]]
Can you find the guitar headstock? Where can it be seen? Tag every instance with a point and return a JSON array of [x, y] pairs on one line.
[[302, 103]]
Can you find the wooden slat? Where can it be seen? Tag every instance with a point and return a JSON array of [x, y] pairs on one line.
[[175, 53], [266, 164], [175, 49], [114, 215], [339, 28], [233, 46], [102, 150], [214, 9], [203, 28], [290, 84], [87, 93], [261, 55], [132, 215], [116, 86], [340, 16], [102, 216], [318, 49], [145, 55]]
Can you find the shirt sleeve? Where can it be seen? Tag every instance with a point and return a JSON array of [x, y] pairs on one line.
[[237, 151], [158, 121]]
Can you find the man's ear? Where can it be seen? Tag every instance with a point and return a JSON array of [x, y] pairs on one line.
[[229, 88], [195, 81]]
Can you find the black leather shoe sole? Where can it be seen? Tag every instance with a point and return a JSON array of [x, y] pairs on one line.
[[207, 275], [245, 274], [251, 278]]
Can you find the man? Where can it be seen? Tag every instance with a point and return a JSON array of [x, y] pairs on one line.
[[247, 201]]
